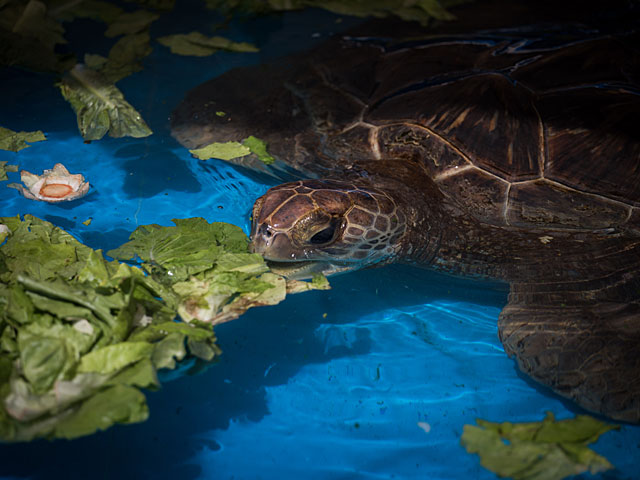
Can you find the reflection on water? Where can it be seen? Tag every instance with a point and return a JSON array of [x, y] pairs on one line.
[[372, 379]]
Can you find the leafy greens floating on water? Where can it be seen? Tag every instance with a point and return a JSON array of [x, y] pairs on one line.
[[4, 168], [199, 45], [231, 150], [16, 141], [100, 106], [80, 335], [546, 450], [205, 269]]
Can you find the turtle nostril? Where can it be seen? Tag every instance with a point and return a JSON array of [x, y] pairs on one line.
[[265, 231]]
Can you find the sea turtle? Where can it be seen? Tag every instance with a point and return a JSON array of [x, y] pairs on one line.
[[511, 154]]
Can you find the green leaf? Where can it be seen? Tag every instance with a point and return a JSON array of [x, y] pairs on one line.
[[14, 142], [43, 360], [141, 374], [130, 23], [31, 20], [157, 331], [192, 246], [168, 350], [420, 10], [546, 450], [124, 57], [203, 350], [199, 45], [114, 357], [117, 404], [222, 151], [100, 107], [259, 148], [98, 10]]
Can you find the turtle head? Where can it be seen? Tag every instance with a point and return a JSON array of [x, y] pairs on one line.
[[325, 226]]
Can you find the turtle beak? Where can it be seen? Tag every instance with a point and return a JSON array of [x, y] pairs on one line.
[[273, 246], [306, 270]]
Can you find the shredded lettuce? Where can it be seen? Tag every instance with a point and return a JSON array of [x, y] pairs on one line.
[[546, 450], [81, 335]]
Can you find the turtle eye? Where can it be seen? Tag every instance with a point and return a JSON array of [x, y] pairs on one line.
[[323, 236], [326, 234]]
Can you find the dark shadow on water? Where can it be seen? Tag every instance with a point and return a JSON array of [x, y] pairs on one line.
[[152, 169], [62, 222], [105, 240], [265, 347]]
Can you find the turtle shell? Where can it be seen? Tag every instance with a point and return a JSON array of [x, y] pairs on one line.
[[529, 127], [518, 131]]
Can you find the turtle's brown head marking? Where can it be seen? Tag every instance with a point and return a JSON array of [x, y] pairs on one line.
[[325, 226]]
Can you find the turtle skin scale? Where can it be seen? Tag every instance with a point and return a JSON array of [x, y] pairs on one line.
[[507, 153]]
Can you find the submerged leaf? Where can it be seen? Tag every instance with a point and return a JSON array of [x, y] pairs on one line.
[[98, 10], [199, 45], [28, 37], [125, 56], [418, 10], [32, 21], [16, 141], [118, 404], [113, 358], [130, 23], [100, 107], [546, 450]]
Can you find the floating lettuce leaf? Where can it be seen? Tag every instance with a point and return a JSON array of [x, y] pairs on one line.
[[206, 270], [117, 404], [223, 151], [191, 247], [4, 168], [100, 107], [16, 141], [546, 450], [198, 45], [130, 23], [231, 150], [80, 335]]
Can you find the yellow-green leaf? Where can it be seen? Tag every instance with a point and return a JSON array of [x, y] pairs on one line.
[[198, 45], [16, 141]]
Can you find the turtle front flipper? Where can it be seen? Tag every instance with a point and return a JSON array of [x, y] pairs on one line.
[[585, 349]]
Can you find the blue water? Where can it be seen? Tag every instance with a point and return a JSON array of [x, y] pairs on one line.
[[373, 379]]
